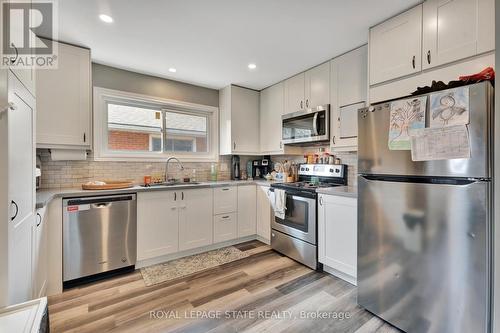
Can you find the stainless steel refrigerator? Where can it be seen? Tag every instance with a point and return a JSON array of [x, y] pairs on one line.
[[425, 228]]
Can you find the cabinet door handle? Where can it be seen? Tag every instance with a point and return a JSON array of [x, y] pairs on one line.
[[307, 103], [333, 139], [301, 104], [413, 62], [175, 196], [321, 201], [17, 210], [182, 193], [13, 60], [39, 219], [234, 145], [429, 57], [84, 137]]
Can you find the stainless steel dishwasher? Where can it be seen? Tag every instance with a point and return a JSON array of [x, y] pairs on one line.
[[99, 234]]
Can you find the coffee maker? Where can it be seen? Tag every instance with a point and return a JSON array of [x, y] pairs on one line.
[[262, 167], [235, 167]]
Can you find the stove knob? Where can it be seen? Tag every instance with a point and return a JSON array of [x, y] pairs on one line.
[[307, 169], [301, 169], [337, 170], [331, 170]]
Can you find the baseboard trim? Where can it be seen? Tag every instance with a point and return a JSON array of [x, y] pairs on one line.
[[177, 255], [346, 277]]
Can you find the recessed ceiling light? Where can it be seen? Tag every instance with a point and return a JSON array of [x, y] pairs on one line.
[[252, 66], [172, 70], [106, 18]]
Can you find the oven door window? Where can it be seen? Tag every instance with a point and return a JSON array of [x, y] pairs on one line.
[[296, 216], [306, 126]]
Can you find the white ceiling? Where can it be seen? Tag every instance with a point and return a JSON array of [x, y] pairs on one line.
[[211, 42]]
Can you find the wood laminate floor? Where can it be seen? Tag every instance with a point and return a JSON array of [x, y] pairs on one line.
[[265, 292]]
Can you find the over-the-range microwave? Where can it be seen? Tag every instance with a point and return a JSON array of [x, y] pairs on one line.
[[306, 126]]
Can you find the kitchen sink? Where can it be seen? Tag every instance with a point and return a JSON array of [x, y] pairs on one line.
[[171, 184]]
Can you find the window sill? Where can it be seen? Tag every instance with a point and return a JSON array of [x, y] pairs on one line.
[[159, 159]]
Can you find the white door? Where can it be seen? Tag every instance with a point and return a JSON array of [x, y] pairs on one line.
[[247, 210], [294, 93], [486, 26], [351, 70], [337, 233], [26, 76], [244, 120], [157, 224], [195, 218], [396, 46], [264, 213], [272, 106], [40, 253], [317, 86], [63, 100], [21, 190], [450, 31]]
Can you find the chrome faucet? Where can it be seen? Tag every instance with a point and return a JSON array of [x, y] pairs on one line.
[[166, 168]]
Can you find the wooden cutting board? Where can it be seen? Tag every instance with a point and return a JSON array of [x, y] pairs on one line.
[[110, 185]]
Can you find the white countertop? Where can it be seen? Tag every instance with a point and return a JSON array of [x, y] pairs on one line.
[[344, 191], [44, 196]]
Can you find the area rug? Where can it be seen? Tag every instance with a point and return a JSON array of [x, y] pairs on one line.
[[188, 265]]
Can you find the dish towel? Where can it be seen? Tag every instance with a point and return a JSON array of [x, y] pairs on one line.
[[279, 203]]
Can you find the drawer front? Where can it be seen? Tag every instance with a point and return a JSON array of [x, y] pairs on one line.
[[225, 200], [225, 227]]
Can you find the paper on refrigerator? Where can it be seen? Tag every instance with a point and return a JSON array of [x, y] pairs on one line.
[[429, 144], [450, 107], [405, 116]]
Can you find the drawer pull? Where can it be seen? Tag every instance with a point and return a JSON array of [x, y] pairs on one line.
[[225, 189], [225, 217]]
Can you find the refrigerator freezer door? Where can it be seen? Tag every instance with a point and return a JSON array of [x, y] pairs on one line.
[[376, 158], [423, 258]]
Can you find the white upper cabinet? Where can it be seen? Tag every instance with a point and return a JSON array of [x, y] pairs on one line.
[[295, 93], [317, 86], [272, 106], [456, 29], [348, 93], [64, 101], [239, 121], [396, 46], [308, 89]]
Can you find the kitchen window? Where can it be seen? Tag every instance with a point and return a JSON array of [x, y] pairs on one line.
[[136, 127]]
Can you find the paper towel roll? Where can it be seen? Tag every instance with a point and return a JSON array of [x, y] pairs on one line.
[[68, 155]]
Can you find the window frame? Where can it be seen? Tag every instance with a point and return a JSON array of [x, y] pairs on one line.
[[103, 96]]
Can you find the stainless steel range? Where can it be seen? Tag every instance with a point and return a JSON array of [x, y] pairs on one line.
[[295, 235]]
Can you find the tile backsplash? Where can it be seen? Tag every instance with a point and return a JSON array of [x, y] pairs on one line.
[[64, 174]]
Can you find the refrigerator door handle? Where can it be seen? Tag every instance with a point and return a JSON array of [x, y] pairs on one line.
[[424, 180]]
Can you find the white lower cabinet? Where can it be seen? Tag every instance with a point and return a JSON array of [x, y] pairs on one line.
[[195, 218], [40, 253], [264, 213], [225, 227], [225, 199], [157, 224], [337, 235], [247, 210]]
